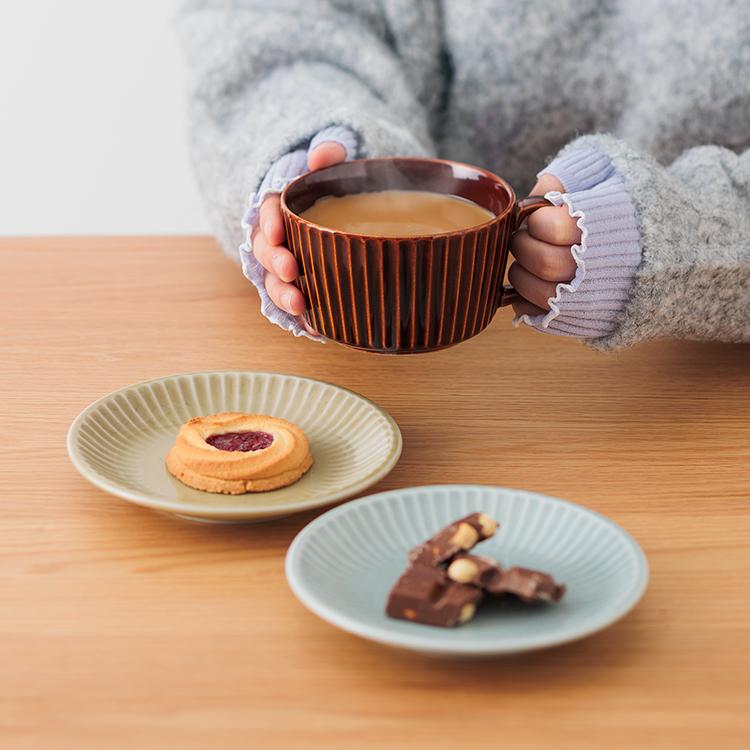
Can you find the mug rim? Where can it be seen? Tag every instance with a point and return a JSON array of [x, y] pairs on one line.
[[455, 233]]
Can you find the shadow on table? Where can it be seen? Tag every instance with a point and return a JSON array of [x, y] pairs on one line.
[[588, 660]]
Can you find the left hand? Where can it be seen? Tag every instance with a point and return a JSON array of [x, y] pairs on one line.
[[268, 241], [542, 252]]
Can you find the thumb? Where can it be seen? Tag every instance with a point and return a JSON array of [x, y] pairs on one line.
[[325, 154]]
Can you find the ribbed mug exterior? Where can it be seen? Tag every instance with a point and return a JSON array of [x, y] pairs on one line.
[[402, 295]]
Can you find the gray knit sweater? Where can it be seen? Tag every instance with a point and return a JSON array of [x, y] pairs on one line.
[[663, 89]]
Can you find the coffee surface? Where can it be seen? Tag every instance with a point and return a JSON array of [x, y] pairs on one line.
[[396, 213]]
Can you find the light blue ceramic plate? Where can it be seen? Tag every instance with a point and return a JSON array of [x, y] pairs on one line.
[[342, 565]]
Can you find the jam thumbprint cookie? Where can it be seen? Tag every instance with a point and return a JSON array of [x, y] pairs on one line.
[[234, 453]]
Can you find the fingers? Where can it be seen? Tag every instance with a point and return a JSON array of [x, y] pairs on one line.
[[271, 221], [325, 155], [548, 262], [524, 307], [308, 327], [281, 268], [530, 287], [279, 263], [553, 224], [284, 295], [275, 258]]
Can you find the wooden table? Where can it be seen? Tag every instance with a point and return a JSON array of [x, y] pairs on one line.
[[123, 628]]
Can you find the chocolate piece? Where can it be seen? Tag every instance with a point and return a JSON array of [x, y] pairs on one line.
[[484, 572], [458, 537], [479, 571], [530, 585], [426, 595]]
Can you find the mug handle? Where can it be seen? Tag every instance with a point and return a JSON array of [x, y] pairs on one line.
[[524, 208]]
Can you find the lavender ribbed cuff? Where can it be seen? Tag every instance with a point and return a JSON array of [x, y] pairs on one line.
[[590, 305], [279, 175], [580, 169]]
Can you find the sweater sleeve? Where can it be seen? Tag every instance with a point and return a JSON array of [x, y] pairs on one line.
[[268, 76], [665, 249]]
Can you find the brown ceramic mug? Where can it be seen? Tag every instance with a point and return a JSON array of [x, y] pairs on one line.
[[402, 296]]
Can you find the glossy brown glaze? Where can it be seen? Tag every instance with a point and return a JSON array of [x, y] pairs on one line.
[[401, 296]]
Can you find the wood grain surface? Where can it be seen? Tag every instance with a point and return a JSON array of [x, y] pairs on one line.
[[123, 628]]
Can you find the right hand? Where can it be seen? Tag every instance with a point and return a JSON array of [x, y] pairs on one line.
[[268, 240], [542, 252]]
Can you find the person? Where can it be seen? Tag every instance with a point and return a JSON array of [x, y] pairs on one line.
[[633, 117]]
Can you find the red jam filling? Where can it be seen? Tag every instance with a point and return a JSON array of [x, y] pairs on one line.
[[240, 441]]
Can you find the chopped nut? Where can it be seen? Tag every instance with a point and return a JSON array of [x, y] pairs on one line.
[[487, 524], [466, 536], [467, 612], [410, 614], [462, 570]]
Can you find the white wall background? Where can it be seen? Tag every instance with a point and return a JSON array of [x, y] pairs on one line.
[[92, 124]]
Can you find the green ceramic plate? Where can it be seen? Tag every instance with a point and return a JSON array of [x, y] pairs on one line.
[[119, 442], [342, 565]]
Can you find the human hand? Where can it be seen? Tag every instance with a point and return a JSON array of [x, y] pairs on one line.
[[542, 252], [268, 240]]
